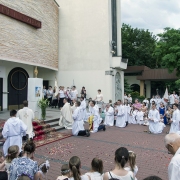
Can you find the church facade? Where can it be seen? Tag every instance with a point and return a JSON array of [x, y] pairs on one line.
[[78, 42]]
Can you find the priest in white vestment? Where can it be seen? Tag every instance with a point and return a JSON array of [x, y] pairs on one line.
[[83, 106], [27, 115], [120, 120], [154, 118], [172, 143], [175, 119], [96, 118], [13, 131], [66, 119], [78, 124], [109, 115]]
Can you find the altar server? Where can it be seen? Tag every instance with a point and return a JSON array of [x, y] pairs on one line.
[[27, 115], [154, 117], [120, 120], [109, 115], [83, 106], [96, 118], [127, 109], [66, 115], [78, 127], [175, 119], [140, 117], [13, 131]]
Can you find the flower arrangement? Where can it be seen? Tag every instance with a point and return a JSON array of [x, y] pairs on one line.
[[43, 104]]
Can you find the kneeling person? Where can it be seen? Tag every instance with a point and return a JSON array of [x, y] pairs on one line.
[[154, 126], [97, 126], [78, 125]]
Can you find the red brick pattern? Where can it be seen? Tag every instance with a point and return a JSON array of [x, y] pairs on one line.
[[152, 156]]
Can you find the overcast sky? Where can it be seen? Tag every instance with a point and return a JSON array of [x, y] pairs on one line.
[[151, 14]]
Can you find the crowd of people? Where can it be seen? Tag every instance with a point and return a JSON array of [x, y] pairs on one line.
[[19, 163], [21, 166]]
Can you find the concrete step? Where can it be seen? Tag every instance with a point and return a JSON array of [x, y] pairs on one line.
[[55, 123], [58, 128], [51, 120]]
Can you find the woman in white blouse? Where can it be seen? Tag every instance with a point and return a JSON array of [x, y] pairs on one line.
[[121, 158], [99, 98], [61, 97], [75, 165], [96, 169]]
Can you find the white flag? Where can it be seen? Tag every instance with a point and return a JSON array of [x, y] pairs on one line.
[[166, 95], [56, 87]]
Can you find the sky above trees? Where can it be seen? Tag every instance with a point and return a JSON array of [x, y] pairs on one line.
[[154, 15]]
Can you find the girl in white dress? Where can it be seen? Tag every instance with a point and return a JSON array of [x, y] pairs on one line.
[[74, 165], [132, 163], [96, 170], [65, 171], [121, 158]]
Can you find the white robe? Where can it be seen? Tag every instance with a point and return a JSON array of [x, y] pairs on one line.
[[109, 117], [140, 117], [13, 131], [174, 167], [175, 124], [154, 126], [120, 120], [96, 120], [159, 101], [84, 112], [126, 112], [27, 116], [78, 121], [134, 117], [66, 116]]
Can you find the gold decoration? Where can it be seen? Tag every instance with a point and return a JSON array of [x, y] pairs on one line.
[[35, 72]]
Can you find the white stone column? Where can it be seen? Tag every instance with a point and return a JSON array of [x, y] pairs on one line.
[[35, 90]]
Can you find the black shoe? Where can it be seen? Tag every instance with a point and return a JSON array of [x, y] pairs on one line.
[[104, 128], [87, 133]]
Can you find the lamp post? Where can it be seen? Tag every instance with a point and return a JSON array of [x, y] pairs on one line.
[[179, 91]]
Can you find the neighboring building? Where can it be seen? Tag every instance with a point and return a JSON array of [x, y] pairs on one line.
[[140, 79], [23, 46], [86, 31], [78, 42]]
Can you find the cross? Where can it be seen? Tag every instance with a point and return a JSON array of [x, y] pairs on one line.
[[26, 115]]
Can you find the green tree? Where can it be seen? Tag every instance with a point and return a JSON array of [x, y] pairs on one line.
[[168, 49], [127, 88], [138, 46]]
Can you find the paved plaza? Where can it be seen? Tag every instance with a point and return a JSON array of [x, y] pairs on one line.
[[152, 157]]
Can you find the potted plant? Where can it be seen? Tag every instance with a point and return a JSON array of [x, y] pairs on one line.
[[43, 104]]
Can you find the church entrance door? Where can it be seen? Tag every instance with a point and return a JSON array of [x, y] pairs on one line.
[[17, 87]]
